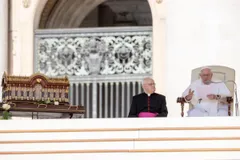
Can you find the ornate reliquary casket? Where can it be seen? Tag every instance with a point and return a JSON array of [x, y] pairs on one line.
[[38, 93], [35, 88]]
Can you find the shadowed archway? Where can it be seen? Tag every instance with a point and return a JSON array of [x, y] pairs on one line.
[[95, 13]]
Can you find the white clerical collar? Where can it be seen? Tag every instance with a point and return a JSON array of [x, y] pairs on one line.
[[148, 94]]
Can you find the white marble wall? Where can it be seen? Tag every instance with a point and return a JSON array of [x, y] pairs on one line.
[[132, 138]]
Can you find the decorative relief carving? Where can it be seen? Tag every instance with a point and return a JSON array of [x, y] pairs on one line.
[[95, 55], [159, 1], [26, 3]]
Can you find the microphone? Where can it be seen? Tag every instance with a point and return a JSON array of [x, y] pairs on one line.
[[235, 93]]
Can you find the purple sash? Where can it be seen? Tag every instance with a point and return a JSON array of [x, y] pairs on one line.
[[147, 114]]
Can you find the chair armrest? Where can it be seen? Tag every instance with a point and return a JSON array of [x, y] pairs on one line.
[[181, 100], [229, 101]]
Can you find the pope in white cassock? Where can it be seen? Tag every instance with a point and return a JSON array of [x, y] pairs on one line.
[[207, 98]]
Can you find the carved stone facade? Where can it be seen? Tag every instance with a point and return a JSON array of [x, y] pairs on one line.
[[99, 53]]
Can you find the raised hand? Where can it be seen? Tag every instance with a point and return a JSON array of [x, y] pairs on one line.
[[190, 95]]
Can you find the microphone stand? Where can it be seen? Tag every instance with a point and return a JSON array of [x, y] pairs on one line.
[[236, 102], [236, 97]]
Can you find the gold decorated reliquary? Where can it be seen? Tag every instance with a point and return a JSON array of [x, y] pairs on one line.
[[35, 88]]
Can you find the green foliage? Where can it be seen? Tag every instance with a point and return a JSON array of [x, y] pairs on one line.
[[6, 115]]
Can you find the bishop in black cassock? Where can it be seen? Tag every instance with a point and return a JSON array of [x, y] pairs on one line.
[[148, 104]]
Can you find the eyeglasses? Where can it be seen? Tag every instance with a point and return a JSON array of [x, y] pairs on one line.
[[205, 75], [151, 84]]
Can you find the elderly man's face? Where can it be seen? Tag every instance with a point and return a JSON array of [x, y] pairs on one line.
[[206, 76], [149, 86]]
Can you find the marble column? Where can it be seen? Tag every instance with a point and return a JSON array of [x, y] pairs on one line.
[[3, 39], [158, 8]]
